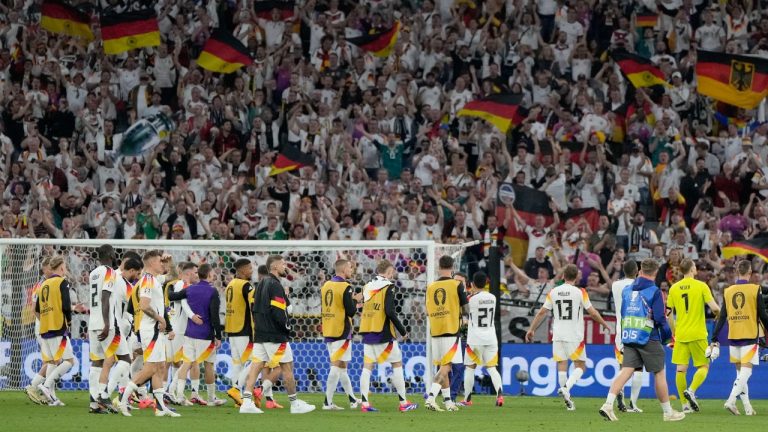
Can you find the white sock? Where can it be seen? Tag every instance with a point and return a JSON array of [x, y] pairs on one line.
[[365, 384], [242, 378], [142, 391], [637, 385], [37, 380], [174, 380], [738, 385], [666, 407], [574, 378], [744, 374], [446, 392], [346, 384], [562, 378], [159, 401], [266, 388], [93, 382], [496, 380], [179, 390], [610, 399], [330, 385], [744, 396], [58, 372], [235, 375], [211, 390], [118, 377], [469, 383], [129, 389], [195, 386], [398, 380], [434, 390]]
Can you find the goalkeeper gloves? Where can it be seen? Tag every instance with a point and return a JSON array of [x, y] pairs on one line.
[[712, 352]]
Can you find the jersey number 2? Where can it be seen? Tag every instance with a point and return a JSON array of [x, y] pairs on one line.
[[564, 309], [94, 295]]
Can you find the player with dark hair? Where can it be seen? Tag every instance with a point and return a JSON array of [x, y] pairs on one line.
[[271, 338]]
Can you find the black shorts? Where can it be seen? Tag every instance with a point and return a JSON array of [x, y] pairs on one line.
[[650, 356]]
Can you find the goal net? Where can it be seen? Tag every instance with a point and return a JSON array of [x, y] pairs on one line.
[[310, 265]]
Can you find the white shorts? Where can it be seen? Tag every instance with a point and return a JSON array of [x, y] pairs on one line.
[[387, 352], [563, 351], [175, 348], [40, 343], [446, 350], [481, 355], [113, 345], [744, 354], [272, 353], [241, 349], [340, 350], [198, 350], [56, 348], [153, 344], [133, 342]]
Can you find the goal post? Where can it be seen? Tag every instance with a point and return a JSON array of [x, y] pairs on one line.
[[310, 264]]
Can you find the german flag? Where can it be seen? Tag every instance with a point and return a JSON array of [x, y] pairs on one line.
[[129, 30], [223, 53], [264, 9], [529, 203], [58, 17], [646, 20], [379, 44], [290, 158], [755, 246], [639, 70], [734, 79], [590, 215], [619, 132], [502, 110]]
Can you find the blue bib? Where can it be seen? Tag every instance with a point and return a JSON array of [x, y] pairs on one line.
[[637, 315]]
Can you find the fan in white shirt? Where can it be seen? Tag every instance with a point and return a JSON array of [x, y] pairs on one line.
[[537, 233]]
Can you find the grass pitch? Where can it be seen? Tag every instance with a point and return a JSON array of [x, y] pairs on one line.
[[528, 413]]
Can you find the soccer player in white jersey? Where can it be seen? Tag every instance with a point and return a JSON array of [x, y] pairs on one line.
[[104, 337], [32, 390], [154, 331], [567, 304], [482, 345], [630, 273], [179, 315], [126, 276]]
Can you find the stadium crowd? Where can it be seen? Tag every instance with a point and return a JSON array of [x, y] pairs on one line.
[[670, 178]]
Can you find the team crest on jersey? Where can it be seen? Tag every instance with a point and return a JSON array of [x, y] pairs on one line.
[[95, 277]]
